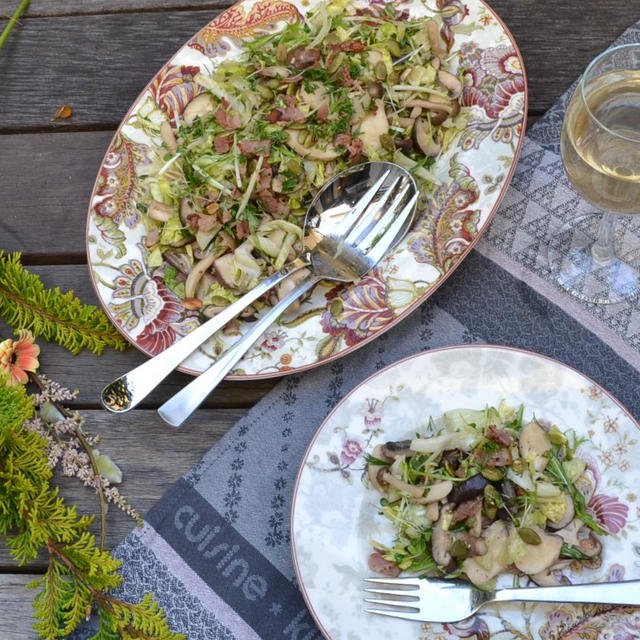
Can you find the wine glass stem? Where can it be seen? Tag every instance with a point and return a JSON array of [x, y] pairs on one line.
[[602, 249]]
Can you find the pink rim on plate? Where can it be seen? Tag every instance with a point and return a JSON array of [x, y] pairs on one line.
[[334, 513], [474, 173]]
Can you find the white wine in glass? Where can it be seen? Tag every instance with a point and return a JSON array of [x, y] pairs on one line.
[[600, 147]]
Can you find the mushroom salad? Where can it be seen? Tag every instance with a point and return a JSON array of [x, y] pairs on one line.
[[485, 493], [226, 200]]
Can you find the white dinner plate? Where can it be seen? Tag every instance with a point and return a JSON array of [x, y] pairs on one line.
[[334, 513]]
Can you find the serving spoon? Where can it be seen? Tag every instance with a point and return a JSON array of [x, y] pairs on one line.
[[341, 214]]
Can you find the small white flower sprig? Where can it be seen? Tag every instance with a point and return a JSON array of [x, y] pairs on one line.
[[74, 450]]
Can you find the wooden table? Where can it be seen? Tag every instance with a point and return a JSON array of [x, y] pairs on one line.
[[96, 56]]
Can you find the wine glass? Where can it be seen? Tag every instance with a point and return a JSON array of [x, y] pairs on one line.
[[600, 148]]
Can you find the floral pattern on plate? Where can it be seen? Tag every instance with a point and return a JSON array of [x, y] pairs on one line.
[[334, 514], [474, 174]]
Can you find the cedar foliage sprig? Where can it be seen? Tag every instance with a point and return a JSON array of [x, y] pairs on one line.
[[34, 517], [26, 304]]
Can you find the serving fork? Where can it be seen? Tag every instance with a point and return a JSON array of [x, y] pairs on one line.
[[355, 245], [351, 224], [427, 600]]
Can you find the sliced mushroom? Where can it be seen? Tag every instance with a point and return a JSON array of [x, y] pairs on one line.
[[453, 83], [313, 153], [168, 137], [159, 211], [187, 208], [373, 470], [423, 139], [205, 284], [577, 534], [534, 442], [226, 270], [303, 57], [442, 539], [316, 98], [199, 107], [435, 492], [434, 39], [374, 125], [553, 576], [482, 568], [286, 287], [412, 490], [398, 448], [180, 261], [535, 558], [276, 71], [195, 274]]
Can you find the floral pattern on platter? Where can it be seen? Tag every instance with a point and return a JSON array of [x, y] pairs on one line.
[[236, 24], [332, 321], [335, 511]]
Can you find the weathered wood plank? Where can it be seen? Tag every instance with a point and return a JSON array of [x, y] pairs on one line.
[[47, 8], [90, 373], [57, 61], [16, 612], [152, 457], [101, 85]]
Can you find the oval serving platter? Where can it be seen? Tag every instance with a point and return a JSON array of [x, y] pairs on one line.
[[474, 175], [335, 517]]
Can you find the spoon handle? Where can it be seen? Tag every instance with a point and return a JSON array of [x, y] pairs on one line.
[[128, 390], [178, 408]]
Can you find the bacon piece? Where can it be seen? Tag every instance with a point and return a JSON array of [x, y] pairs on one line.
[[242, 229], [224, 119], [222, 144], [255, 147], [378, 564], [323, 112], [203, 222], [355, 46], [342, 140], [345, 76], [500, 458], [466, 510], [275, 206], [499, 436]]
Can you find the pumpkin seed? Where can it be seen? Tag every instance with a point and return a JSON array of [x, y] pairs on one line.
[[492, 474], [265, 92], [393, 48], [389, 145], [518, 465], [528, 535], [380, 70], [459, 549], [281, 52], [336, 63]]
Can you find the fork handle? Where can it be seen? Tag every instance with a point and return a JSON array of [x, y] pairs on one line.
[[179, 407], [127, 391], [627, 592]]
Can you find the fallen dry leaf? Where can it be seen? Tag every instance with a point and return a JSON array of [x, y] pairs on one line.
[[62, 113]]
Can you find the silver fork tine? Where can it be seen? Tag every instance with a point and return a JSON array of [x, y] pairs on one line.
[[410, 582], [346, 224], [376, 252], [399, 604], [370, 219], [394, 592], [381, 225]]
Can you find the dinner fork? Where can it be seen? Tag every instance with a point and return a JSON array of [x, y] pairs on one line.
[[427, 600], [365, 242], [325, 251]]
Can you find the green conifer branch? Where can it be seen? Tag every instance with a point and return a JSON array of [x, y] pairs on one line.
[[56, 316], [33, 517]]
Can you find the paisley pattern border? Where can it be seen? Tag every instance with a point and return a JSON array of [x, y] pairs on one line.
[[474, 177]]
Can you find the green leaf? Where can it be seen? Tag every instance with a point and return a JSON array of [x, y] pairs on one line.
[[56, 316]]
